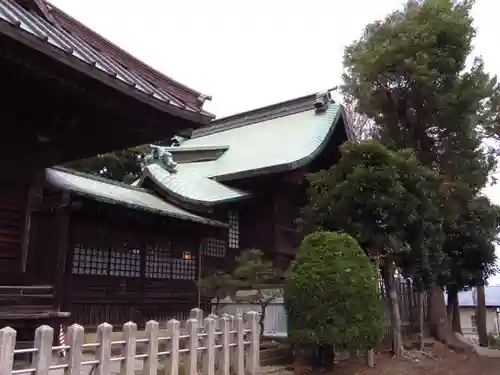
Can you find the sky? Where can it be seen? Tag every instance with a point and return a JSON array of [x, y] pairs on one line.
[[248, 54]]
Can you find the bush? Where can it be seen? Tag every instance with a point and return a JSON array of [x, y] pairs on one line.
[[331, 294]]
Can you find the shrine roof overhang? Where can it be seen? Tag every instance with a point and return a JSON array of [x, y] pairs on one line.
[[69, 42], [112, 192]]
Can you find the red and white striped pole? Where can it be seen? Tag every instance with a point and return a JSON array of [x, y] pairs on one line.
[[62, 341]]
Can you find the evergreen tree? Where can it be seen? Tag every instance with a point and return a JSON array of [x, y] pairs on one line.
[[408, 73], [331, 295], [389, 203]]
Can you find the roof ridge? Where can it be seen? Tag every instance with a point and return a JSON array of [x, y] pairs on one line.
[[94, 177], [276, 110], [154, 74], [268, 112]]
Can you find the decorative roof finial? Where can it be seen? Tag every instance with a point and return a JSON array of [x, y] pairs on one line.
[[160, 155], [322, 101]]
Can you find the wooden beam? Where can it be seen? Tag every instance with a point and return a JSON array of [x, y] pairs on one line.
[[62, 251]]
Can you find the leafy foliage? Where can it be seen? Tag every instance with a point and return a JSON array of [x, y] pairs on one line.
[[331, 294], [408, 73], [256, 273], [470, 243], [217, 285], [384, 199], [122, 165]]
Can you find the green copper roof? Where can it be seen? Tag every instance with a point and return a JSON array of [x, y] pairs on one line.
[[189, 184], [282, 137], [283, 143], [112, 192]]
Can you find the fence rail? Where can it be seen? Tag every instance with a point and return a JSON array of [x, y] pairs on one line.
[[275, 321], [226, 345]]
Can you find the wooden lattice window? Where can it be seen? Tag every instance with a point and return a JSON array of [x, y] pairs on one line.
[[90, 261], [125, 261], [214, 248], [234, 230], [158, 261], [184, 266]]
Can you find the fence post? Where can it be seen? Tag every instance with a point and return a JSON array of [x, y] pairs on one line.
[[7, 346], [240, 347], [370, 358], [150, 366], [44, 336], [76, 336], [233, 342], [209, 355], [129, 335], [192, 327], [223, 355], [197, 314], [174, 332], [104, 333], [252, 318]]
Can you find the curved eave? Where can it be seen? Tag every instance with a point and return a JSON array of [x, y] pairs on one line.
[[289, 166], [180, 198], [200, 220], [92, 71], [130, 205], [175, 149]]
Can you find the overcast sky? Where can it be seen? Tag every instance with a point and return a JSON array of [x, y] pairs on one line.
[[247, 54]]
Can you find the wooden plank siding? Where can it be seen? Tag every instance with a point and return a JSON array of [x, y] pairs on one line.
[[13, 201]]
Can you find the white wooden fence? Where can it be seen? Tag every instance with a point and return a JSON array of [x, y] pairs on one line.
[[227, 345]]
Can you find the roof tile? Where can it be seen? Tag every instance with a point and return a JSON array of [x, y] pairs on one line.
[[112, 192]]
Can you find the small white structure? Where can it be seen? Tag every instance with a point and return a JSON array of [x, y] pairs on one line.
[[275, 315], [468, 306]]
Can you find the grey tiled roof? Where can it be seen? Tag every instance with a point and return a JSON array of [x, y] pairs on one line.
[[112, 192], [256, 144], [492, 293]]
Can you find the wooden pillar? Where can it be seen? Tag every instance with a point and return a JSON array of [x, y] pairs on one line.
[[32, 202], [62, 269]]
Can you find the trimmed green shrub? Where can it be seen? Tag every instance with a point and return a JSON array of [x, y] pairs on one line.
[[331, 294]]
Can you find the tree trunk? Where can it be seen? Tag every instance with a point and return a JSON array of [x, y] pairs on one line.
[[481, 316], [453, 310], [263, 309], [303, 359], [438, 322], [395, 317], [421, 319], [324, 358]]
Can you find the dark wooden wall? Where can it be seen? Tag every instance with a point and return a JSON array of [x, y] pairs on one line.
[[13, 202], [123, 265], [19, 193]]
